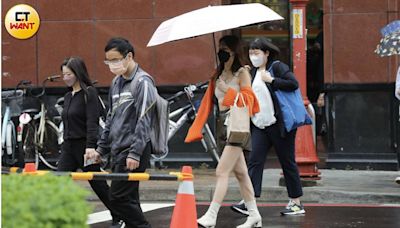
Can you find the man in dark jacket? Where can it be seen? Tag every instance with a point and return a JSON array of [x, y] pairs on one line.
[[127, 131]]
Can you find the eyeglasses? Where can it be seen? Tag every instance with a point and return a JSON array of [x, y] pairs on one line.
[[114, 61]]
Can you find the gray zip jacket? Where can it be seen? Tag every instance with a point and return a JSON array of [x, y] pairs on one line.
[[127, 128]]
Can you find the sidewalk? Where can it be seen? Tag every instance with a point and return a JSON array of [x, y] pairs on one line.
[[335, 186]]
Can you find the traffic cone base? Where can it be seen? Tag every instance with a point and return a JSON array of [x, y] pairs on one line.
[[30, 168]]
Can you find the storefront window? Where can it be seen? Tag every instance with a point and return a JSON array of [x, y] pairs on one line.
[[315, 63], [277, 31]]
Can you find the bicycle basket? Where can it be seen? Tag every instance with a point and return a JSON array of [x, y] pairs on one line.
[[31, 105], [13, 101]]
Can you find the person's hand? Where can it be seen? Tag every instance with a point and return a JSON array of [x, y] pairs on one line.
[[266, 77], [131, 164], [92, 154], [221, 85], [321, 100]]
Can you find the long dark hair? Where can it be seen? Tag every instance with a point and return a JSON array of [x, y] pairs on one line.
[[234, 44], [78, 67]]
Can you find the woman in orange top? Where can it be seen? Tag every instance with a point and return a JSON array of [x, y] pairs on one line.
[[231, 78]]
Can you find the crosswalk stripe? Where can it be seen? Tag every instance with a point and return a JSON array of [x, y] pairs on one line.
[[104, 216]]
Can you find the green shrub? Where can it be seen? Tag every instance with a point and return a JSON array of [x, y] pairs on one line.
[[42, 201]]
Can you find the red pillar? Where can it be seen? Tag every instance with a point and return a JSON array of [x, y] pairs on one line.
[[306, 155]]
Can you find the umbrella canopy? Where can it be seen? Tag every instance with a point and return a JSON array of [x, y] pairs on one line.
[[389, 45], [211, 19], [390, 28]]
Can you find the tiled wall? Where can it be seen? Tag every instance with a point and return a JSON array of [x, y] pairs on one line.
[[351, 33], [82, 28]]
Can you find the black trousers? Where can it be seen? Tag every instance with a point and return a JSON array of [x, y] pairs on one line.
[[71, 159], [262, 141], [124, 195]]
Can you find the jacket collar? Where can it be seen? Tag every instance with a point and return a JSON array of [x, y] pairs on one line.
[[135, 70]]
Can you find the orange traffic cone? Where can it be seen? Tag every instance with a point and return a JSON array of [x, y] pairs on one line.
[[30, 168], [185, 215]]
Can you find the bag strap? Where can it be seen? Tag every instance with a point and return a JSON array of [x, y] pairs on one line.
[[147, 109], [237, 98], [102, 103], [270, 69], [98, 96], [141, 74]]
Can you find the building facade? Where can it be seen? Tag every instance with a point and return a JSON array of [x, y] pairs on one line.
[[361, 112]]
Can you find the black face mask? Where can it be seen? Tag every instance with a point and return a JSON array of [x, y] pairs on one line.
[[223, 56]]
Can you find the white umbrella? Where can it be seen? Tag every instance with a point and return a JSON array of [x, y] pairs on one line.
[[211, 19]]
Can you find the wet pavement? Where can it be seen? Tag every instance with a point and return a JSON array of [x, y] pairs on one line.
[[317, 216], [335, 186], [342, 198]]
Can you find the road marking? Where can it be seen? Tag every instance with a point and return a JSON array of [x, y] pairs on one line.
[[104, 216]]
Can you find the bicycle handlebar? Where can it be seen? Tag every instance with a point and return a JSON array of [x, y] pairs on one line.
[[23, 83], [16, 93], [188, 90], [52, 78], [202, 85]]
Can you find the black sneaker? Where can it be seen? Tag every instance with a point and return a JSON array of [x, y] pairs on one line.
[[117, 224], [293, 209], [240, 208]]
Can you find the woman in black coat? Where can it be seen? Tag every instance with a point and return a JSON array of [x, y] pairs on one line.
[[80, 117]]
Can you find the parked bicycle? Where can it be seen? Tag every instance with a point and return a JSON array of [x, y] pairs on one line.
[[187, 114], [39, 137], [8, 134]]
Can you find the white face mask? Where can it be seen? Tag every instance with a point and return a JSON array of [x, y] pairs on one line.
[[117, 68], [257, 60]]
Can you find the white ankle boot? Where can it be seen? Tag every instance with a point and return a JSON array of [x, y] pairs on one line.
[[209, 219], [254, 219]]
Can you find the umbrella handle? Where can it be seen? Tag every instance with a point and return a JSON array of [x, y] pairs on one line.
[[215, 49]]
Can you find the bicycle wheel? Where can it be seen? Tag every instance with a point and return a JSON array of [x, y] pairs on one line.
[[28, 142], [10, 138], [50, 151], [10, 143], [209, 140]]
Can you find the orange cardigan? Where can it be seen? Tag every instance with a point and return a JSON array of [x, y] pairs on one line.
[[195, 131]]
